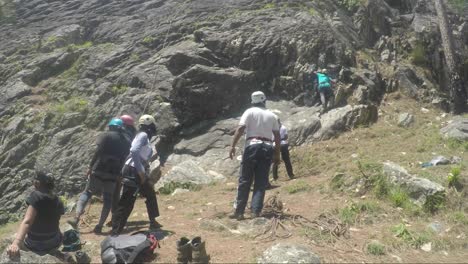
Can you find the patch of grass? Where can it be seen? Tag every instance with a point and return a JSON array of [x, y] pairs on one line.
[[418, 55], [399, 198], [434, 203], [458, 5], [381, 186], [170, 187], [352, 5], [338, 181], [453, 178], [269, 6], [458, 217], [414, 239], [148, 40], [75, 69], [312, 11], [351, 213], [298, 186], [456, 144], [375, 248], [118, 89], [86, 45]]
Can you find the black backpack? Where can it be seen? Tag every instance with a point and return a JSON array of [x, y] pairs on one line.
[[128, 248]]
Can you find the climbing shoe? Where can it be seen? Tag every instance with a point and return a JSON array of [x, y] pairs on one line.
[[184, 250], [236, 216], [74, 222], [97, 229], [199, 251]]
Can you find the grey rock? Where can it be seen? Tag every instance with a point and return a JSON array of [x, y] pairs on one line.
[[385, 55], [213, 225], [419, 189], [155, 172], [457, 129], [361, 94], [288, 253], [62, 36], [187, 172], [405, 120], [29, 257], [179, 191], [252, 227], [14, 91], [408, 81]]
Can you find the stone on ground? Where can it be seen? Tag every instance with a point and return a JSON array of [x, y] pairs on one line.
[[29, 257], [405, 120], [456, 129], [288, 253]]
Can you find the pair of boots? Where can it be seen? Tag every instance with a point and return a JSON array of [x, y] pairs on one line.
[[192, 251]]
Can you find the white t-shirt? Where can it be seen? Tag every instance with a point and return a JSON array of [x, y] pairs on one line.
[[259, 122], [283, 132]]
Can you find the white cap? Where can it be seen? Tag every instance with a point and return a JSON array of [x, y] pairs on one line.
[[258, 97]]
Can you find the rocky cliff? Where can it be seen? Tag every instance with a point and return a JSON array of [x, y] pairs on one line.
[[67, 67]]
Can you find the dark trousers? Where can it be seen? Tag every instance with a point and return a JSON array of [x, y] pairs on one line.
[[127, 201], [287, 162], [255, 167], [327, 98]]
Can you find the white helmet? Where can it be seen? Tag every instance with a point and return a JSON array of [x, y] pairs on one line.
[[324, 70], [258, 97], [146, 120]]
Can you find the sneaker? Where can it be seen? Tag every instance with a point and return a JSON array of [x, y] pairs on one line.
[[236, 216], [97, 229], [155, 225]]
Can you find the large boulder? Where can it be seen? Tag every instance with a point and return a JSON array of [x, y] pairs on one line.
[[188, 172], [29, 257], [288, 253], [457, 129], [419, 189]]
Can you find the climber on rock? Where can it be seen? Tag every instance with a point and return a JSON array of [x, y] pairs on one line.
[[104, 172], [135, 180], [284, 153], [258, 123], [325, 89]]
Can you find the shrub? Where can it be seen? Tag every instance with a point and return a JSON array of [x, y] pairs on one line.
[[269, 6], [418, 55], [375, 248], [399, 198], [118, 89], [434, 203], [453, 178], [148, 40], [298, 186]]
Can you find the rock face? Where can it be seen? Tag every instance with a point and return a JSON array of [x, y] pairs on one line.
[[288, 253], [419, 189], [457, 129], [68, 67]]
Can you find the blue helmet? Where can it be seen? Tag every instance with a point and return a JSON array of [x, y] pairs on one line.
[[116, 122]]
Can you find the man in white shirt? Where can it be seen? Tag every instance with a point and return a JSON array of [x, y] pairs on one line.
[[284, 153], [258, 124]]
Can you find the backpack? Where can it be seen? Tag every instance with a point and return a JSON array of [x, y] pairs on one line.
[[71, 240], [324, 81], [128, 248]]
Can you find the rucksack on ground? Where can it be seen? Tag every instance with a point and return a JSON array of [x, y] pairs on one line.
[[71, 240], [128, 248]]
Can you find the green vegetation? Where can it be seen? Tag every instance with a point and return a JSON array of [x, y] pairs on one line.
[[418, 55], [352, 5], [453, 178], [458, 5], [456, 144], [269, 6], [7, 12], [75, 69], [312, 11], [458, 217], [353, 212], [375, 248], [148, 40], [411, 238], [170, 187], [399, 198], [86, 45], [298, 186], [434, 203], [74, 104], [118, 89]]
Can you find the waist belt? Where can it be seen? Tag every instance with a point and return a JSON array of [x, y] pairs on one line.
[[260, 138]]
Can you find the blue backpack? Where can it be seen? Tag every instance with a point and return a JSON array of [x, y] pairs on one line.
[[324, 81]]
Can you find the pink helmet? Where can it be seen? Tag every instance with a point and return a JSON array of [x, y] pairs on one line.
[[127, 120]]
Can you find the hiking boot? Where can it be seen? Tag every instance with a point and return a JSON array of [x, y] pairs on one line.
[[74, 222], [199, 251], [97, 229], [155, 225], [236, 216], [184, 250], [255, 215]]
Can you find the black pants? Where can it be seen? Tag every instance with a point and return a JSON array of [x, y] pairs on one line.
[[127, 201], [287, 162], [255, 168]]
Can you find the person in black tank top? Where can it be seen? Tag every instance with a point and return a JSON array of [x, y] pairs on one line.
[[39, 230]]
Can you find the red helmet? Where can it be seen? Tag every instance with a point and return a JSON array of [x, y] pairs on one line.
[[127, 120]]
